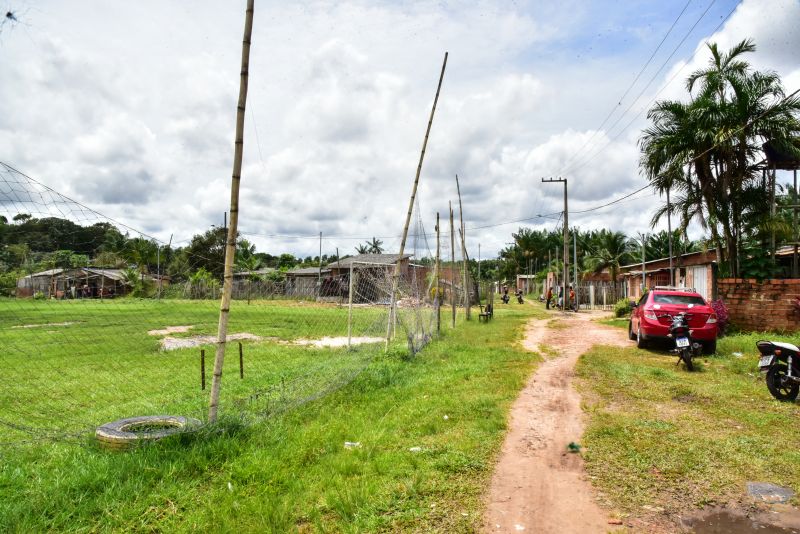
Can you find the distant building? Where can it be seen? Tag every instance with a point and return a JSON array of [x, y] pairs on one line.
[[81, 282]]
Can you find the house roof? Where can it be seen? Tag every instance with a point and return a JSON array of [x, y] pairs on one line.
[[263, 270], [367, 258], [308, 271], [687, 255], [49, 272]]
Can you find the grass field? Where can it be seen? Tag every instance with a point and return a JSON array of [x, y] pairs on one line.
[[291, 471], [659, 436]]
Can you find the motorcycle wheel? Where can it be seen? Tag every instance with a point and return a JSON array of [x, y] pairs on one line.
[[686, 356], [780, 389]]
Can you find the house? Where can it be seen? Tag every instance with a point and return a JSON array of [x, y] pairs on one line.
[[693, 269], [305, 281], [372, 275], [81, 282]]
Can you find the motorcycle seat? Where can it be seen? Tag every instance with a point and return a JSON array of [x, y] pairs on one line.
[[780, 345]]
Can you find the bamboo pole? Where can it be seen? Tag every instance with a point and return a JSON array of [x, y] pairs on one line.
[[396, 277], [463, 252], [438, 297], [230, 247], [452, 266], [350, 308]]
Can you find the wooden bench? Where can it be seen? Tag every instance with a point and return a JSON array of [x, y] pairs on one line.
[[486, 313]]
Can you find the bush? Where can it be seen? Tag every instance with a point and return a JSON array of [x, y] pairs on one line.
[[723, 316], [622, 308]]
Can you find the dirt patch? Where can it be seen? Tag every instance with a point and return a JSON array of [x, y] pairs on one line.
[[538, 485], [337, 341], [175, 343], [170, 330], [780, 519], [67, 323]]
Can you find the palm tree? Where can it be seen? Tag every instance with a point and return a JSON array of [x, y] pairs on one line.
[[611, 251], [709, 149], [362, 249], [375, 246]]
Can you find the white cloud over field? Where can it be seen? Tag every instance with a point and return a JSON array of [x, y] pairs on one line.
[[129, 107]]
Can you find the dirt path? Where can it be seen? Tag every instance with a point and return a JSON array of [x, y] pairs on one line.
[[537, 485]]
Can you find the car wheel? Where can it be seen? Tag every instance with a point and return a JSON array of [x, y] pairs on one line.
[[641, 342], [631, 335], [710, 347]]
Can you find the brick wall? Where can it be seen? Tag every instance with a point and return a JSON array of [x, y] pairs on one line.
[[767, 305]]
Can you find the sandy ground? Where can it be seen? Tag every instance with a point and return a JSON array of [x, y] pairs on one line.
[[538, 486], [338, 341]]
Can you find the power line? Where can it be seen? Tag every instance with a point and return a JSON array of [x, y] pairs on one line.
[[636, 79], [667, 84]]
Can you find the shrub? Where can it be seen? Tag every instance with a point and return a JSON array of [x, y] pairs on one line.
[[723, 316], [622, 308]]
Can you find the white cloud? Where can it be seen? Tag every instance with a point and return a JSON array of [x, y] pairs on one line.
[[130, 108]]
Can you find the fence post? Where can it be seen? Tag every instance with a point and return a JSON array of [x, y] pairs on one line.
[[350, 308], [241, 361], [202, 369]]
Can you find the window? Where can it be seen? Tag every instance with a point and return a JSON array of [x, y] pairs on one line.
[[660, 298]]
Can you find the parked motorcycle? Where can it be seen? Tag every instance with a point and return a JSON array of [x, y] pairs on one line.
[[781, 362], [519, 297], [679, 330], [505, 298]]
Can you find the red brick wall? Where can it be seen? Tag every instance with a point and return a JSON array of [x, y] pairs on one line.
[[767, 305]]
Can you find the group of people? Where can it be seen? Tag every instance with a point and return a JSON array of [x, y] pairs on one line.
[[550, 299]]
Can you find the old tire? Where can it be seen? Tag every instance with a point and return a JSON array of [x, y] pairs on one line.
[[641, 341], [783, 391], [131, 431], [631, 335]]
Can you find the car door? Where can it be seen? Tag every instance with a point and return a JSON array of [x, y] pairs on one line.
[[637, 311]]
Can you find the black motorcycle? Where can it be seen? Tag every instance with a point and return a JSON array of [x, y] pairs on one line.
[[505, 298], [679, 330], [519, 297], [781, 362]]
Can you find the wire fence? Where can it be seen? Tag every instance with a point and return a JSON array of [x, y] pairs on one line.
[[101, 321]]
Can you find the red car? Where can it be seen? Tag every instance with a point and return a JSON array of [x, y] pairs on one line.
[[650, 317]]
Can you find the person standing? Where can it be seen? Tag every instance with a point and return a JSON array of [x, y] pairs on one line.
[[548, 298]]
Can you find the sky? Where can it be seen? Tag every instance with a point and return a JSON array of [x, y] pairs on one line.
[[129, 108]]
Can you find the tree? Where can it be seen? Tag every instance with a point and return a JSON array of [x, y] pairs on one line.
[[207, 251], [362, 249], [22, 218], [375, 246], [709, 149], [611, 251]]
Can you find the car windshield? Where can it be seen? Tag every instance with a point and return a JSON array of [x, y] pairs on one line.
[[678, 299]]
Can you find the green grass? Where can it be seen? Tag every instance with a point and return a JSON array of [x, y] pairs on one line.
[[659, 435], [619, 322], [290, 472]]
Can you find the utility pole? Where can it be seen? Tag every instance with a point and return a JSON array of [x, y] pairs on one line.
[[479, 273], [566, 236], [669, 230], [644, 241], [462, 231], [575, 266]]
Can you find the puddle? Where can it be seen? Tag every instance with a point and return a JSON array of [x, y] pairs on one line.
[[724, 522]]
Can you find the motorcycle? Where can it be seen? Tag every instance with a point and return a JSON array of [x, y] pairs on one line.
[[519, 298], [505, 298], [685, 348], [781, 362]]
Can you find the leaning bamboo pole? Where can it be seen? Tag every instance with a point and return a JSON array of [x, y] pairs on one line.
[[230, 246], [396, 276], [437, 295]]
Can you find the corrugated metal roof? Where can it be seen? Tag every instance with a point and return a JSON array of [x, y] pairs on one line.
[[344, 263], [308, 271]]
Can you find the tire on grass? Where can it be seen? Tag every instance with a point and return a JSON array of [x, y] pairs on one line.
[[131, 431]]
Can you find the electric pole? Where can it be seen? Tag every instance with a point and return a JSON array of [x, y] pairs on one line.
[[566, 236]]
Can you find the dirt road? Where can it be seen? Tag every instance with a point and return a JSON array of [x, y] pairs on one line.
[[538, 486]]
